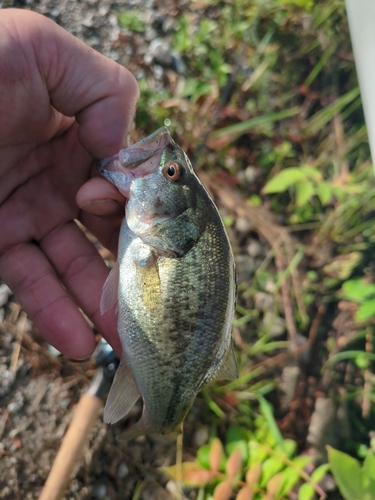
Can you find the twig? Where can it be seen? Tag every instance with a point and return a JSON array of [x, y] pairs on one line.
[[17, 347], [366, 403], [284, 357], [300, 471], [179, 447], [288, 311], [296, 282]]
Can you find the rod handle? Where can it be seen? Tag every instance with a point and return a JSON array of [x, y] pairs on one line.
[[84, 418]]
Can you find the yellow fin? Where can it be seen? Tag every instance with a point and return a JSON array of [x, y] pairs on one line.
[[150, 283]]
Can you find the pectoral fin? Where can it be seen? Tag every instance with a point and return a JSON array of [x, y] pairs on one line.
[[228, 368], [123, 395], [110, 290]]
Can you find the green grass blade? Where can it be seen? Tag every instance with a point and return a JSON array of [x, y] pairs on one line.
[[322, 117], [243, 127]]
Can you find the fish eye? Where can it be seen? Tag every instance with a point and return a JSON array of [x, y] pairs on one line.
[[173, 171]]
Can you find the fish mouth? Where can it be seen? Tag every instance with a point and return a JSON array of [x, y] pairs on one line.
[[140, 159]]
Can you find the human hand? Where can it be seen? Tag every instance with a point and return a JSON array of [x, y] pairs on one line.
[[61, 105]]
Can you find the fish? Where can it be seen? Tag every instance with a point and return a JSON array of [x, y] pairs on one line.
[[174, 284]]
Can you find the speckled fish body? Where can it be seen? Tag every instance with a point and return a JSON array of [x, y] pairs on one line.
[[176, 287]]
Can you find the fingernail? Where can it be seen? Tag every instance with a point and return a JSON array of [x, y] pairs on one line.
[[97, 202], [102, 207]]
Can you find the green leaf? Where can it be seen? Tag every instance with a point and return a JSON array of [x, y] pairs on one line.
[[347, 474], [283, 180], [368, 474], [302, 461], [257, 453], [270, 468], [289, 479], [324, 193], [203, 456], [311, 172], [266, 409], [319, 473], [358, 290], [237, 439], [304, 191], [289, 447], [306, 492], [366, 310]]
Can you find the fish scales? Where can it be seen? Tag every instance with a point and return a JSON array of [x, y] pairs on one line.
[[176, 294]]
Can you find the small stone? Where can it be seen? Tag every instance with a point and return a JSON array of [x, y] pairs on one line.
[[243, 225], [53, 351], [5, 293], [254, 248], [171, 487], [264, 301], [169, 24], [100, 491], [272, 324], [201, 436], [245, 267], [13, 433], [289, 379], [113, 21], [14, 407], [269, 286], [250, 174], [158, 72], [161, 51], [103, 11], [64, 403], [122, 471]]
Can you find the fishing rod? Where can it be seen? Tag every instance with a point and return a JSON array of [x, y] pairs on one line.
[[85, 415]]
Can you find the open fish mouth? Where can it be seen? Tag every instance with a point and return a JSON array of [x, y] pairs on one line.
[[140, 159]]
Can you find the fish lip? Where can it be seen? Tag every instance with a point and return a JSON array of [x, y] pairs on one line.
[[138, 155]]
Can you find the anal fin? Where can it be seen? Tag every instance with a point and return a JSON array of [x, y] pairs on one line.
[[110, 290], [228, 369], [122, 396]]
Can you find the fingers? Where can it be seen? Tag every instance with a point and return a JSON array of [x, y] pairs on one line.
[[33, 280], [83, 273], [99, 197], [101, 94], [58, 69]]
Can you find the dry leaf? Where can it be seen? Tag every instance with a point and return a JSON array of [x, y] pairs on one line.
[[253, 474], [245, 493], [234, 464], [223, 491], [192, 474], [216, 452]]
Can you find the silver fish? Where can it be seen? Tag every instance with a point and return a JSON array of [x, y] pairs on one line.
[[175, 285]]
